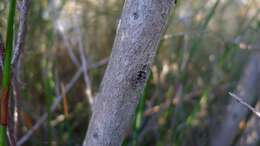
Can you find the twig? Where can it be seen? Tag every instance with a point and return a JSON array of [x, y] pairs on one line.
[[55, 17], [31, 131], [45, 115], [17, 96], [99, 63], [83, 59], [245, 104], [69, 49], [21, 31], [58, 99], [84, 66]]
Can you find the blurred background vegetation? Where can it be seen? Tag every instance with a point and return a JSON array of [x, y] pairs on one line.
[[200, 59]]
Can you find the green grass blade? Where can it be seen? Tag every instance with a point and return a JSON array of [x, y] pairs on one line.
[[203, 27], [7, 62], [9, 45], [139, 113], [210, 15], [2, 135], [137, 123]]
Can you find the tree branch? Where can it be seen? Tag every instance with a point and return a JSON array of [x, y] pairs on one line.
[[21, 31], [139, 30], [244, 104], [227, 131]]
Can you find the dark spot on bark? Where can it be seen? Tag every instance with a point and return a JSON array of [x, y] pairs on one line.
[[140, 76], [135, 15], [95, 135]]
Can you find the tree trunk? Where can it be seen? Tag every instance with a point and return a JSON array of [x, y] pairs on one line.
[[138, 35], [235, 111], [251, 135]]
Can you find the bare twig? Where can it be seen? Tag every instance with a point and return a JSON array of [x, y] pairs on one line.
[[82, 62], [65, 39], [83, 59], [10, 137], [69, 50], [58, 99], [80, 71], [43, 117], [21, 31], [244, 104], [31, 131], [12, 127], [99, 63], [227, 130]]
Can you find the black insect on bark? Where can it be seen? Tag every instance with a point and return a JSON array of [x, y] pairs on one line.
[[140, 76]]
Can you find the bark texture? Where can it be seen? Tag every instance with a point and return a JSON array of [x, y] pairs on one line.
[[251, 135], [236, 112], [140, 27]]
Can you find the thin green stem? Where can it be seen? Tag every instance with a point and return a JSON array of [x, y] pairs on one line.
[[2, 135], [7, 71], [9, 45]]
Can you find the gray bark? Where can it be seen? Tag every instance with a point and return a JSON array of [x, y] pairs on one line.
[[251, 135], [236, 112], [138, 35]]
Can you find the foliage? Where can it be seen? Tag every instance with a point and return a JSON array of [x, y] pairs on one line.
[[200, 59]]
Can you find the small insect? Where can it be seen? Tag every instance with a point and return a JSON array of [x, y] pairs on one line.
[[175, 2], [140, 76]]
